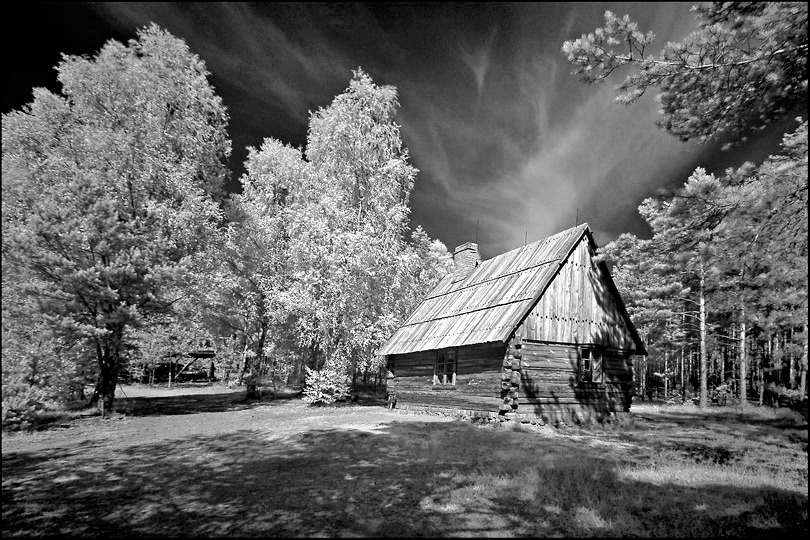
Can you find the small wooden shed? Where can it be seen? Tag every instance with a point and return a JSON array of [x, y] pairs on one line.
[[539, 331]]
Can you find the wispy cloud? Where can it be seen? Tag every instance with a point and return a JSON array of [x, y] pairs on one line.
[[501, 132], [543, 149], [251, 53], [477, 58]]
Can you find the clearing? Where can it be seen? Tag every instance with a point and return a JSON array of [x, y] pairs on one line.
[[205, 462]]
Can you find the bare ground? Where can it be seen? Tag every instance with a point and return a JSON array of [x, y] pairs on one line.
[[206, 462]]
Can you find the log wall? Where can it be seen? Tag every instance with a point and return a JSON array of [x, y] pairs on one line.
[[549, 381], [527, 379], [478, 379]]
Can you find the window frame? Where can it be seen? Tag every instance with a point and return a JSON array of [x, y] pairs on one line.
[[448, 359], [591, 365]]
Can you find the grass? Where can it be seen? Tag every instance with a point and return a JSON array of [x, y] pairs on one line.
[[215, 465]]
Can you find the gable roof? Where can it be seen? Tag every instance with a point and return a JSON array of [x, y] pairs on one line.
[[493, 299]]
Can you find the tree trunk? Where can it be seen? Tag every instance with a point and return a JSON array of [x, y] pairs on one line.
[[244, 368], [354, 372], [803, 368], [704, 383], [108, 354], [721, 361], [642, 377], [743, 360], [762, 374], [791, 363], [777, 359], [666, 373], [683, 372]]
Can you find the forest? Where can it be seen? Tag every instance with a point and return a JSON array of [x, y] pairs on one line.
[[122, 252], [719, 291]]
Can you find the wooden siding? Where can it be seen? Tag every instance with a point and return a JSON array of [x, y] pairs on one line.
[[549, 381], [478, 379], [579, 307]]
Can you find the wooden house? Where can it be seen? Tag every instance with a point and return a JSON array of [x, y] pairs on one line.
[[539, 331]]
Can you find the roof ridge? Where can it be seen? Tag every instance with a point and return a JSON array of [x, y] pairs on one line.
[[555, 235]]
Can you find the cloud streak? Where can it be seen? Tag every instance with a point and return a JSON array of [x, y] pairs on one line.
[[501, 132]]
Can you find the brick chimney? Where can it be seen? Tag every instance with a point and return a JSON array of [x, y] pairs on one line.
[[465, 258]]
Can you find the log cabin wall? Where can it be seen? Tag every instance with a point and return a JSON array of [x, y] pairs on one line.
[[549, 381], [578, 306], [477, 386]]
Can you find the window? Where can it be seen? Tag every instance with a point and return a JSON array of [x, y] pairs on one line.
[[591, 366], [445, 372]]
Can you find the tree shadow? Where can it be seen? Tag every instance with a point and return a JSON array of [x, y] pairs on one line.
[[394, 478], [196, 403]]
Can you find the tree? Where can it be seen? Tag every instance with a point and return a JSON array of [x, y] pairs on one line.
[[740, 242], [357, 278], [110, 187], [338, 220], [650, 285], [683, 228], [763, 236], [744, 66], [253, 270]]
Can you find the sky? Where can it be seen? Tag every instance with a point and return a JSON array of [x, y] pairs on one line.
[[509, 145]]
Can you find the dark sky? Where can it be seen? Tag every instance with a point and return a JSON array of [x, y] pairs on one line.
[[506, 140]]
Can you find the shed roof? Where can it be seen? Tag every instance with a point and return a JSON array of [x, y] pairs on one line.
[[491, 301]]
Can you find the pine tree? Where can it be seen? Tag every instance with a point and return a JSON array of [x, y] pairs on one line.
[[744, 66], [109, 188]]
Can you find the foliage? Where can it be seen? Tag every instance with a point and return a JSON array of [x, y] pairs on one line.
[[108, 189], [744, 66], [23, 403], [253, 271], [327, 385], [317, 258], [743, 235], [739, 239]]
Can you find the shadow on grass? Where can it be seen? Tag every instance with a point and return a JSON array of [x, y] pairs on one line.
[[223, 402], [718, 437], [393, 479], [196, 403]]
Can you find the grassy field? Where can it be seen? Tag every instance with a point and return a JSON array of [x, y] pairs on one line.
[[210, 463]]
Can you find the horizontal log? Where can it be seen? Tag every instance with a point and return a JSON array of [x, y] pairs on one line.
[[543, 396], [487, 404], [563, 390], [437, 398], [525, 406], [462, 392], [561, 398], [567, 413], [531, 369]]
